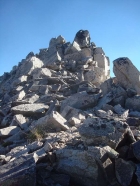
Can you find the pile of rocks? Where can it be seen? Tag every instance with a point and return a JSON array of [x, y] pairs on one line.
[[65, 122]]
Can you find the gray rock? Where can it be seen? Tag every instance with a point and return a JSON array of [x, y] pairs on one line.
[[70, 112], [18, 137], [34, 146], [136, 149], [134, 114], [17, 152], [131, 92], [133, 103], [41, 73], [138, 172], [80, 100], [22, 170], [39, 155], [83, 38], [30, 109], [105, 99], [106, 86], [83, 166], [29, 65], [21, 121], [127, 74], [133, 121], [124, 171], [52, 121], [97, 131], [74, 47], [79, 56], [47, 147], [9, 131], [107, 107]]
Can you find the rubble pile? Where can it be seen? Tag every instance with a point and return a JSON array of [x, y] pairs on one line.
[[65, 122]]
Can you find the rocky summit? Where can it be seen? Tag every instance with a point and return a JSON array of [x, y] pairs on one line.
[[65, 122]]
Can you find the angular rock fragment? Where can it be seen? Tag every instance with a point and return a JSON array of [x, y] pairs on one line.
[[34, 146], [29, 65], [133, 103], [81, 100], [21, 121], [39, 155], [52, 121]]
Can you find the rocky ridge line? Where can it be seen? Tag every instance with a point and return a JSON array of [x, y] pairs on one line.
[[65, 122]]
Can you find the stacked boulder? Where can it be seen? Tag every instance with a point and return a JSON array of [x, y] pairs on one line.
[[65, 122]]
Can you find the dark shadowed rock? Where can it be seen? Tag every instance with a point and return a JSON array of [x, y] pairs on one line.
[[83, 38], [21, 171], [124, 171], [138, 172], [136, 149], [133, 103]]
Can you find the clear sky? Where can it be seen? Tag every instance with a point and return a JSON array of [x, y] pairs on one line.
[[28, 25]]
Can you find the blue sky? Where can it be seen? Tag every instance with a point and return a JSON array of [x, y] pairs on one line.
[[28, 25]]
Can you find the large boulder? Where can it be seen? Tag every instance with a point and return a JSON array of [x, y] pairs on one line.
[[127, 74], [98, 131], [86, 168]]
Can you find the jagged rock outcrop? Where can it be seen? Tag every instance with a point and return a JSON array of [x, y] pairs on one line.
[[65, 122]]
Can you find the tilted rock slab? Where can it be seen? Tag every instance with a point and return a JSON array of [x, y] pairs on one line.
[[52, 121], [81, 100], [30, 109], [21, 171], [127, 74]]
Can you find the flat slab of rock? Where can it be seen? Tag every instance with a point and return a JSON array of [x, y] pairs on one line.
[[30, 109], [9, 131], [22, 170], [80, 100]]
